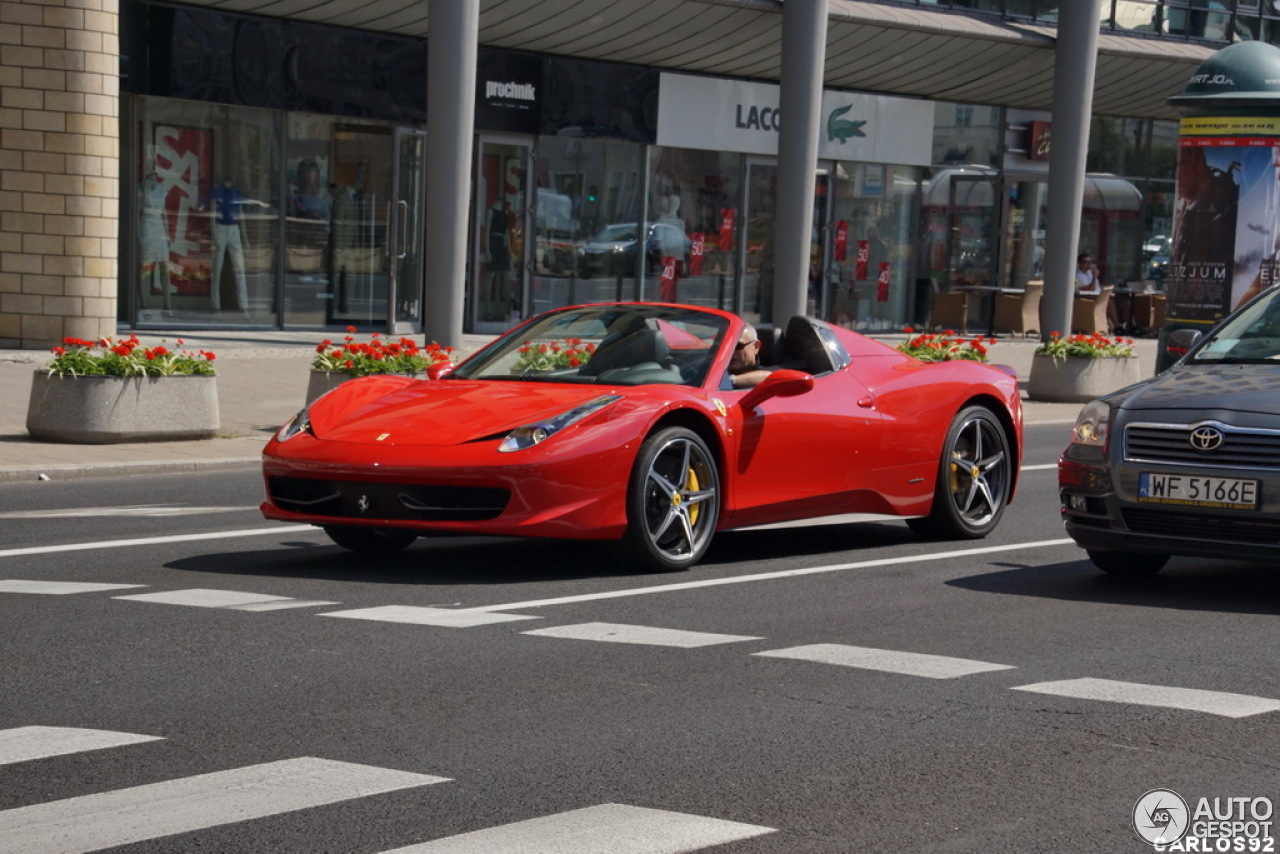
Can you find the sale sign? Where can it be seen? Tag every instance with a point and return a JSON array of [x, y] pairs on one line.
[[697, 250]]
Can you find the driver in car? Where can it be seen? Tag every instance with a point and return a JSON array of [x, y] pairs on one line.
[[745, 369]]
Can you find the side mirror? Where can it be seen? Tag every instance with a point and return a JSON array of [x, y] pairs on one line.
[[784, 383], [439, 370], [1181, 341]]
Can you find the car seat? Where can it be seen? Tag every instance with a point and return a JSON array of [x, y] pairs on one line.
[[641, 346]]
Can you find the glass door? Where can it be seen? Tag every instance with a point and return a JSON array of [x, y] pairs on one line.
[[499, 298], [407, 232], [756, 262], [364, 182], [973, 229]]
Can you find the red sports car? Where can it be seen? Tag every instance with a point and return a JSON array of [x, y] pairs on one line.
[[618, 422]]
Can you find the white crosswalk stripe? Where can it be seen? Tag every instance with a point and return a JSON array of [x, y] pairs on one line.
[[233, 599], [26, 743], [646, 635], [603, 829], [1191, 699], [59, 588], [887, 660], [453, 618], [125, 816]]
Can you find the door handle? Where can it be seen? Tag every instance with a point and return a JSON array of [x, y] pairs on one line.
[[397, 229], [402, 239]]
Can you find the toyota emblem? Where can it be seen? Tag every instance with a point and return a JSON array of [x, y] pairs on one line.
[[362, 504], [1206, 438]]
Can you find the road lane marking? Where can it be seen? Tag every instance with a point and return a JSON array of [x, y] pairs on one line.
[[233, 599], [645, 635], [765, 576], [422, 616], [123, 510], [126, 816], [155, 541], [22, 744], [613, 828], [1192, 699], [59, 588], [886, 660], [1044, 467]]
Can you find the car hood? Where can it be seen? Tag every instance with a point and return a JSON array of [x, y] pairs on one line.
[[1210, 389], [438, 412]]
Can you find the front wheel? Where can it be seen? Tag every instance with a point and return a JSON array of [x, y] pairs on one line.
[[374, 541], [673, 501], [974, 479], [1128, 564]]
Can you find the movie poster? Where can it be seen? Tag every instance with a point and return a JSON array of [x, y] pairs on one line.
[[1226, 216]]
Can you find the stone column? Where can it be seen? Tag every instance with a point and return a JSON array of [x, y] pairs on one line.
[[59, 170]]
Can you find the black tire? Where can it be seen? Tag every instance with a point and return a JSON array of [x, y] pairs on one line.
[[974, 479], [673, 501], [1128, 564], [373, 541]]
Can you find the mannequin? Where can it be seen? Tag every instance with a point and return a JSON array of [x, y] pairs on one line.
[[499, 261], [153, 236], [227, 204]]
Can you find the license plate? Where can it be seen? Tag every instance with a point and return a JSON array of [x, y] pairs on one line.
[[1194, 491]]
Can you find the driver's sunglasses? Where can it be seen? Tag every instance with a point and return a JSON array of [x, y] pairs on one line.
[[742, 344]]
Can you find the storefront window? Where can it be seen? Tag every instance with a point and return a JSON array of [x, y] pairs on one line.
[[590, 197], [872, 228], [207, 207], [691, 241]]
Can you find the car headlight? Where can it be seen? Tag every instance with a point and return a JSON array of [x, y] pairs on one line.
[[1093, 425], [534, 434], [300, 423]]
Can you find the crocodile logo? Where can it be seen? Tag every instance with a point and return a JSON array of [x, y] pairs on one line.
[[843, 129]]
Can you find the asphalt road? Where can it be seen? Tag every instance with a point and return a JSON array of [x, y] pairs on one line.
[[249, 687]]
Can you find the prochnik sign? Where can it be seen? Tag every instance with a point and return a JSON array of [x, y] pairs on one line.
[[508, 92], [744, 116]]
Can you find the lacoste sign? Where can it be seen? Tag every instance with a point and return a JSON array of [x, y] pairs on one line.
[[744, 116]]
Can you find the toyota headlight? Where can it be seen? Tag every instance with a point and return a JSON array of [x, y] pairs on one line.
[[533, 434], [1093, 425]]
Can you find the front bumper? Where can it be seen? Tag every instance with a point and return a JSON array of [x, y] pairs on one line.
[[1101, 515]]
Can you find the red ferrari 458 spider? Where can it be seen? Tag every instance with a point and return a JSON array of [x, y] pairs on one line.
[[620, 423]]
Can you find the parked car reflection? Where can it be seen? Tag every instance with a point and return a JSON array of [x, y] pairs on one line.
[[612, 252]]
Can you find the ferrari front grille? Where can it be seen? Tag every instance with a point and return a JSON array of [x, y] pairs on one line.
[[425, 503]]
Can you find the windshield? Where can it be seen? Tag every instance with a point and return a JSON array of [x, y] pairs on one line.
[[1253, 335], [605, 345]]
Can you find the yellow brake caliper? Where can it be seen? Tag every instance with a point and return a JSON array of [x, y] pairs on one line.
[[691, 485]]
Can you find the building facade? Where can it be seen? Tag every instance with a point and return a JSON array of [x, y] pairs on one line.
[[185, 167]]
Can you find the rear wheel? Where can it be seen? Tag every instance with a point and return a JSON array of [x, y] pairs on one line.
[[1128, 564], [974, 479], [673, 501], [375, 541]]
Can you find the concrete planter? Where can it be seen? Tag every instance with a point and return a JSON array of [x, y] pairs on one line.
[[1077, 380], [323, 381], [111, 410]]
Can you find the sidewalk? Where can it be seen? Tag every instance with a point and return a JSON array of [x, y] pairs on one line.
[[262, 380]]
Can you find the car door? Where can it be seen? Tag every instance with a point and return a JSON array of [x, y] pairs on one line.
[[802, 456]]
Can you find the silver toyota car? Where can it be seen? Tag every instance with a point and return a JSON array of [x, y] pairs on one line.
[[1186, 463]]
